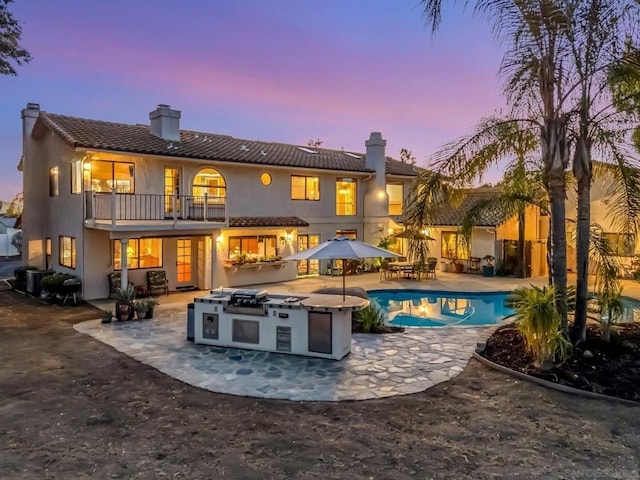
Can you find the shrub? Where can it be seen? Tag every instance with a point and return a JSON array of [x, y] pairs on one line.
[[370, 319], [611, 310], [53, 283], [538, 322]]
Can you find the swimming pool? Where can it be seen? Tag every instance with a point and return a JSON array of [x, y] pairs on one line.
[[422, 308], [426, 308]]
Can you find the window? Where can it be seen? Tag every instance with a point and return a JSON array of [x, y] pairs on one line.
[[620, 244], [396, 198], [254, 247], [68, 252], [345, 196], [76, 177], [347, 233], [453, 245], [265, 178], [305, 188], [141, 253], [103, 176], [47, 252], [53, 182], [210, 182]]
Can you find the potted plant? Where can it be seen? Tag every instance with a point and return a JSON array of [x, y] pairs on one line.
[[488, 270], [124, 297], [150, 304], [107, 316], [457, 265], [140, 307]]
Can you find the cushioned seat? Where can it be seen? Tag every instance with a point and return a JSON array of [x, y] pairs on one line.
[[157, 282], [115, 282]]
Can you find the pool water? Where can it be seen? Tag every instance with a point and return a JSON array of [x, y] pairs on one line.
[[420, 308]]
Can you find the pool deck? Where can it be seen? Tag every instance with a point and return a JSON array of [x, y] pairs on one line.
[[378, 365]]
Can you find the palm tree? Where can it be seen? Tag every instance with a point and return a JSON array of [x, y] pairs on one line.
[[534, 33]]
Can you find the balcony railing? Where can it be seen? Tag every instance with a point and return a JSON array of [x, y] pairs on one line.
[[118, 206]]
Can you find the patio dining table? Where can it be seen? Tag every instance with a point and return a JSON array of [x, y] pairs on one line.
[[402, 269]]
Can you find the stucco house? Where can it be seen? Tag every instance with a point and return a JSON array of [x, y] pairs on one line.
[[210, 210]]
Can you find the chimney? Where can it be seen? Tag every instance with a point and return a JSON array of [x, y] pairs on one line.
[[376, 157], [165, 123], [29, 117]]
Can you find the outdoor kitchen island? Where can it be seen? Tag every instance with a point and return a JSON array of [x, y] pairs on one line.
[[315, 325]]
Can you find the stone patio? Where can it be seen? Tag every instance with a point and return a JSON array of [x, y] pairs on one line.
[[378, 366]]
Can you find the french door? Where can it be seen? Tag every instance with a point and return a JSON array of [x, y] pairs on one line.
[[184, 261], [308, 267]]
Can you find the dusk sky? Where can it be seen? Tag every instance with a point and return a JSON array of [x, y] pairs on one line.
[[272, 70]]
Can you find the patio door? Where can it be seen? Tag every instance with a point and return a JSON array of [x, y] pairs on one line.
[[308, 267], [171, 187], [184, 261]]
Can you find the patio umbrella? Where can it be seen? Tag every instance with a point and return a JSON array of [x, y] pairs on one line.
[[342, 248]]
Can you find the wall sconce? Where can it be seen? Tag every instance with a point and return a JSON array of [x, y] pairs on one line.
[[288, 236], [220, 239], [380, 227], [381, 194]]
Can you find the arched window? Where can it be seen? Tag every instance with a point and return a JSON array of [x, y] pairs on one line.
[[210, 182]]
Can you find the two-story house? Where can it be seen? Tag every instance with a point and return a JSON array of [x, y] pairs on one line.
[[210, 210]]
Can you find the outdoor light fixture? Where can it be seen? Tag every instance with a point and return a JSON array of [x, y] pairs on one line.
[[380, 227], [381, 195], [220, 239]]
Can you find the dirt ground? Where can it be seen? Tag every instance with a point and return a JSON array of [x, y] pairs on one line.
[[72, 408]]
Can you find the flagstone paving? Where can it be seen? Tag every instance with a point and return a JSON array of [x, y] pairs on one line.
[[378, 365]]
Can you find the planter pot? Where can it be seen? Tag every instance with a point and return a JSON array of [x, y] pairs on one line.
[[124, 311], [458, 267], [148, 314], [488, 270]]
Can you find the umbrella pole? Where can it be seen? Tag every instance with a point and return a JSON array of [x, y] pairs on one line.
[[344, 280]]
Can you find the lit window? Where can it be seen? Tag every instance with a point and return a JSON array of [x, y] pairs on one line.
[[265, 178], [620, 244], [103, 176], [305, 188], [396, 197], [453, 245], [345, 196], [253, 247], [210, 182], [141, 253], [53, 182], [67, 252], [76, 177]]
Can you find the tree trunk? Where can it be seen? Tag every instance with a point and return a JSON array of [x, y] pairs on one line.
[[522, 257], [582, 172], [555, 158]]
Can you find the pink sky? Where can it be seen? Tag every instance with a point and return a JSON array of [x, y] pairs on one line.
[[283, 70]]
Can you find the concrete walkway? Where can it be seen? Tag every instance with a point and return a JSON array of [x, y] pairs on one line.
[[378, 366]]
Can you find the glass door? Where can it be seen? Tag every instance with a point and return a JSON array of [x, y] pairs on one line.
[[183, 263], [308, 267], [171, 187]]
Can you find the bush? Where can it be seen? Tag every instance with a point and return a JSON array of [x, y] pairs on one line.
[[369, 320], [538, 322], [53, 283]]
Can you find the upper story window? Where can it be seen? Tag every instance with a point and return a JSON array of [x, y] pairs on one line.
[[76, 177], [346, 196], [141, 253], [53, 182], [396, 198], [305, 188], [103, 176], [67, 247], [211, 183]]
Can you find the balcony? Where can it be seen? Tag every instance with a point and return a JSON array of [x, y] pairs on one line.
[[119, 211]]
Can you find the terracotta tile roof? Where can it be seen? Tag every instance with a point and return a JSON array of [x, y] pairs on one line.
[[236, 222], [452, 215], [100, 135]]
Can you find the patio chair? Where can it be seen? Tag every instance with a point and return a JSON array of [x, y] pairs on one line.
[[432, 262], [115, 281], [157, 282], [385, 273]]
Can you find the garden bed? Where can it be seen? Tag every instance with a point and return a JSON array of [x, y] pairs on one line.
[[608, 368]]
